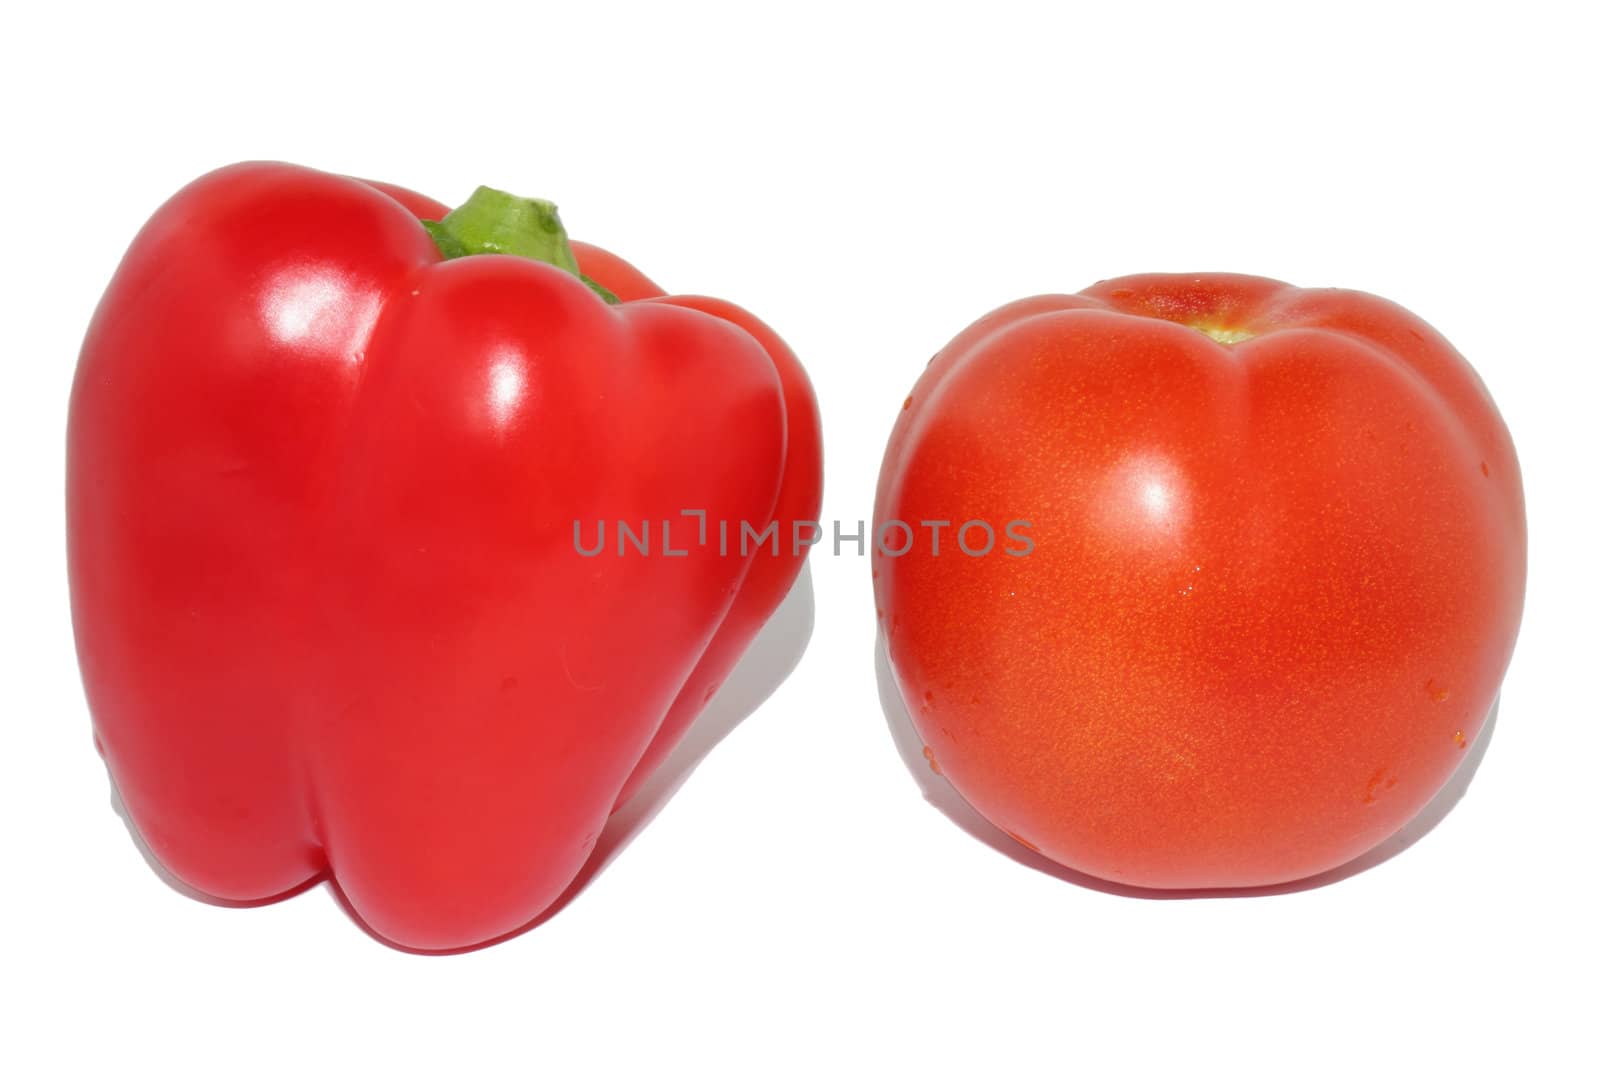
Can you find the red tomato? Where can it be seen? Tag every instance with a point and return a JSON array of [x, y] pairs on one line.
[[1279, 552]]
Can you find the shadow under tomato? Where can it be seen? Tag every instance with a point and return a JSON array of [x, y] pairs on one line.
[[771, 657], [942, 795]]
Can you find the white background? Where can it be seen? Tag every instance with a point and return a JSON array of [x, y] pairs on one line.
[[868, 181]]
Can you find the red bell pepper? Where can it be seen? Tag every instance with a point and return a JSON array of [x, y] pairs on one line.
[[323, 481]]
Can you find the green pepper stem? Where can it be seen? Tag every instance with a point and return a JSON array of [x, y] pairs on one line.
[[495, 223]]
